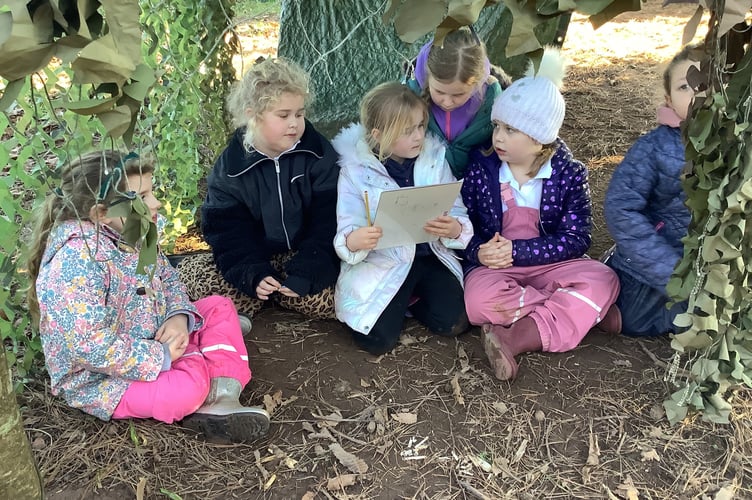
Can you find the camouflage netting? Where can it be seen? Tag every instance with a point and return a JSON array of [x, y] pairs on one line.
[[336, 42]]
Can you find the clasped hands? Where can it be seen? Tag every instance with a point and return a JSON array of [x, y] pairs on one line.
[[367, 237], [496, 253], [174, 333]]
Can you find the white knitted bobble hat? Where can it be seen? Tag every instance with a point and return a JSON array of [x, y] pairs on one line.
[[533, 104]]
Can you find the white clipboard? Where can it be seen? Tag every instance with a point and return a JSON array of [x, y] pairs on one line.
[[402, 213]]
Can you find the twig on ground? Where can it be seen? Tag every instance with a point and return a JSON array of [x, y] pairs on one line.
[[474, 491], [680, 371]]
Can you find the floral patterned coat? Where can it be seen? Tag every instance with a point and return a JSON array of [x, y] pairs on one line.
[[98, 318]]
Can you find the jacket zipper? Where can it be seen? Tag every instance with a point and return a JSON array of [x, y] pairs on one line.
[[281, 204]]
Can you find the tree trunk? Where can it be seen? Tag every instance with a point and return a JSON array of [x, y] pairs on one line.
[[19, 478], [348, 50]]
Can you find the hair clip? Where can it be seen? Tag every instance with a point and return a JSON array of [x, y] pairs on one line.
[[127, 196], [58, 192], [114, 177]]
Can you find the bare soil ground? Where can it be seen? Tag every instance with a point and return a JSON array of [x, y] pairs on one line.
[[429, 421]]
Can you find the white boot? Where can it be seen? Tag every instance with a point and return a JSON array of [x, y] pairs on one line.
[[223, 418], [245, 324]]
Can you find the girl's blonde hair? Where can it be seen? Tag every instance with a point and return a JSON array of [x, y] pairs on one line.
[[388, 108], [462, 57], [79, 190], [261, 88], [546, 153]]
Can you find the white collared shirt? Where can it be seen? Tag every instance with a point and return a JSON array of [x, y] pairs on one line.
[[529, 195]]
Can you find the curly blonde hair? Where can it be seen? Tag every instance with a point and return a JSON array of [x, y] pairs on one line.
[[261, 88]]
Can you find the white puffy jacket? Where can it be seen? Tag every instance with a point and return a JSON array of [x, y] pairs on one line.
[[369, 280]]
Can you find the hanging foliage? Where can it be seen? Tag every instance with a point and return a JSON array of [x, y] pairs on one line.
[[105, 58], [411, 20], [82, 74], [714, 274]]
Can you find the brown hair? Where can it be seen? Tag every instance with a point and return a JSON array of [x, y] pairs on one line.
[[387, 108], [461, 57], [685, 54], [80, 184]]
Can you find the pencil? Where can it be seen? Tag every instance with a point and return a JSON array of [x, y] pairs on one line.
[[368, 208]]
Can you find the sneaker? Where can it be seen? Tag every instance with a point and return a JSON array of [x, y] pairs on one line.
[[245, 324]]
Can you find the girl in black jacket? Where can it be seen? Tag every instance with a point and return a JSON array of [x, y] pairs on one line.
[[270, 211]]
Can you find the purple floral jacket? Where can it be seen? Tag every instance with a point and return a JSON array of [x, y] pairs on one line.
[[98, 317], [565, 211]]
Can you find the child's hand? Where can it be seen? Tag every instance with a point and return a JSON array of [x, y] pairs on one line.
[[444, 226], [266, 287], [176, 350], [287, 292], [363, 238], [496, 253], [174, 331]]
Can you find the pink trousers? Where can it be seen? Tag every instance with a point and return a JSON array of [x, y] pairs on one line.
[[217, 349], [564, 299]]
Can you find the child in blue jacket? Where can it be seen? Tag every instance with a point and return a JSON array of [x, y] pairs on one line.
[[645, 211]]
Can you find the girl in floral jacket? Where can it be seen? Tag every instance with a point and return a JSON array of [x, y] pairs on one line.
[[120, 343], [529, 201]]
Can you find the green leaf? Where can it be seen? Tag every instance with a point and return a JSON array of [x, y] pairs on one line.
[[416, 18], [116, 121], [522, 37], [91, 106], [169, 494], [12, 89], [612, 10], [465, 12]]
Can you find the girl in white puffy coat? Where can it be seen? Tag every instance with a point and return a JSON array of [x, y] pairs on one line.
[[377, 288]]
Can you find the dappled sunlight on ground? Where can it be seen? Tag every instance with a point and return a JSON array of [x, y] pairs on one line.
[[651, 37]]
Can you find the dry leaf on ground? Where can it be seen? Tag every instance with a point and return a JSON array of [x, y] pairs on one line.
[[271, 402], [456, 391], [628, 490], [594, 451], [353, 463], [340, 482], [405, 418], [650, 455]]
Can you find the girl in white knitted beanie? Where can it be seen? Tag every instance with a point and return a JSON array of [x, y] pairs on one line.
[[526, 280]]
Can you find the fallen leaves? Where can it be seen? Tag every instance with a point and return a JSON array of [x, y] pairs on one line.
[[405, 418], [650, 455], [341, 482], [353, 463], [456, 391]]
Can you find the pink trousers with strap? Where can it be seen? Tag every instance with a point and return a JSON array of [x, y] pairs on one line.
[[565, 299], [217, 349]]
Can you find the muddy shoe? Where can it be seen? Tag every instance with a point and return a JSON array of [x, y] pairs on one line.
[[611, 323], [502, 362], [222, 417]]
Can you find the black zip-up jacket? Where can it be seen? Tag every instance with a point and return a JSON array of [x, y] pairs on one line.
[[257, 207]]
